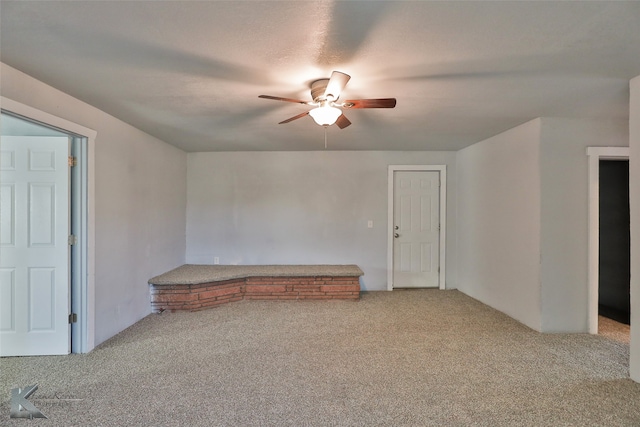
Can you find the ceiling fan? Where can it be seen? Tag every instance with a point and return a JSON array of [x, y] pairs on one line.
[[325, 94]]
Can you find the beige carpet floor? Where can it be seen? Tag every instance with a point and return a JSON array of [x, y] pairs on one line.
[[614, 330], [402, 358]]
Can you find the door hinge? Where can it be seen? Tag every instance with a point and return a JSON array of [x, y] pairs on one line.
[[73, 318], [73, 240], [72, 161]]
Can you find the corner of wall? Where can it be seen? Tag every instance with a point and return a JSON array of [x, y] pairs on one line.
[[139, 203], [564, 216], [498, 222], [634, 201]]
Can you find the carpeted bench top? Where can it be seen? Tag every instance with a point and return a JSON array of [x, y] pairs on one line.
[[192, 274]]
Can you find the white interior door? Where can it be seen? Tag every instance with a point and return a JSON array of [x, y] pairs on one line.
[[416, 223], [34, 247]]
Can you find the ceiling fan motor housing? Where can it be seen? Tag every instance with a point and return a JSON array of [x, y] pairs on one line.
[[318, 88]]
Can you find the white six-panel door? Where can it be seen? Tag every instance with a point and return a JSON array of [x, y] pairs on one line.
[[416, 219], [34, 247]]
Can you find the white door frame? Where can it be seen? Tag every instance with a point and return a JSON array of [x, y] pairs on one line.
[[82, 334], [595, 155], [442, 170]]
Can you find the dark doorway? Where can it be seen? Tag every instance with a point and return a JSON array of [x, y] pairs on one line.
[[614, 264]]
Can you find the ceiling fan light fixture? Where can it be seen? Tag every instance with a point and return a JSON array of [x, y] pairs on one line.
[[325, 94], [325, 115]]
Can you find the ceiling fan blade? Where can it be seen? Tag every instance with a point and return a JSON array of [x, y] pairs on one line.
[[299, 116], [343, 122], [336, 84], [370, 103], [277, 98]]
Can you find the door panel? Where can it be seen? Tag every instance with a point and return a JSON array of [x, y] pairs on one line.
[[34, 250], [7, 299], [42, 215], [416, 229], [42, 292], [7, 209]]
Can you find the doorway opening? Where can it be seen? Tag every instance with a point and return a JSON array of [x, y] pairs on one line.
[[609, 255], [614, 256], [19, 120]]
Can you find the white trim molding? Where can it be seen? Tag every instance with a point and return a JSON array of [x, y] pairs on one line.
[[442, 170], [595, 155], [87, 258]]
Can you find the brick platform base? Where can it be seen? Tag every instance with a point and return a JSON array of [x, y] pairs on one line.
[[192, 297]]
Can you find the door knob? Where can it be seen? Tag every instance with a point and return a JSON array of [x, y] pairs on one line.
[[396, 235], [396, 227]]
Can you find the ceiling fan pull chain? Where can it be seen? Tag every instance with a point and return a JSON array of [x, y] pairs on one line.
[[325, 136]]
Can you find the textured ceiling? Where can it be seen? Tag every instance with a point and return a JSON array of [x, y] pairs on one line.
[[190, 72]]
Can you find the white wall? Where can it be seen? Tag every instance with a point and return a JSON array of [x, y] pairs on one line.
[[523, 220], [564, 216], [140, 203], [634, 194], [300, 208], [499, 222]]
